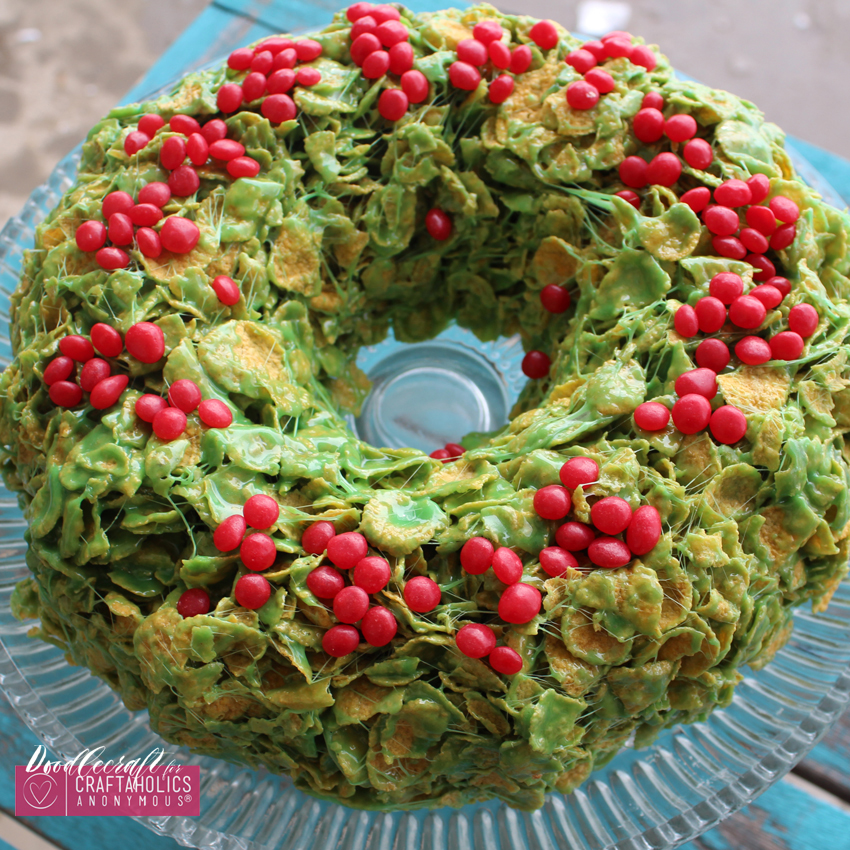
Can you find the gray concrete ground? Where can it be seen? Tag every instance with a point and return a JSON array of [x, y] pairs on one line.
[[64, 63]]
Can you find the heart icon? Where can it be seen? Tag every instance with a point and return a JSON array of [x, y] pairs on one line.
[[41, 790]]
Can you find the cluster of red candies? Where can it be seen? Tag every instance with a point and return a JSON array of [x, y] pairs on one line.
[[128, 221], [273, 71], [649, 125], [369, 574], [585, 93], [450, 452], [257, 552]]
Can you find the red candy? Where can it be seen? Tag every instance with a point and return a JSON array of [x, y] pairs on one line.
[[555, 561], [350, 604], [240, 60], [691, 413], [611, 515], [712, 354], [422, 594], [198, 150], [697, 199], [698, 154], [476, 555], [554, 298], [454, 449], [464, 76], [108, 391], [214, 413], [262, 62], [116, 202], [253, 591], [721, 221], [76, 347], [644, 530], [601, 80], [753, 240], [520, 603], [759, 188], [120, 229], [487, 31], [574, 536], [710, 313], [769, 295], [145, 341], [700, 381], [787, 345], [578, 471], [172, 153], [766, 268], [762, 220], [183, 182], [784, 209], [475, 640], [149, 242], [90, 235], [728, 424], [193, 602], [315, 539], [357, 11], [500, 55], [179, 235], [726, 286], [582, 61], [59, 369], [372, 574], [112, 259], [230, 97], [651, 100], [155, 193], [630, 197], [184, 124], [415, 85], [376, 64], [308, 49], [229, 533], [643, 56], [507, 566], [365, 24], [505, 660], [544, 35], [664, 169], [324, 582], [648, 125], [597, 48], [287, 58], [686, 321], [226, 289], [280, 82], [752, 350], [363, 46], [520, 59], [253, 86], [92, 373], [729, 246], [184, 395], [803, 319], [338, 641], [258, 552], [651, 416], [261, 511], [747, 312], [379, 626], [144, 215], [472, 51], [733, 193], [441, 454], [633, 172], [149, 124], [536, 364], [609, 553], [277, 108], [135, 141], [783, 237], [392, 104], [680, 128], [65, 394], [345, 550], [169, 424], [438, 224], [552, 502], [147, 406], [401, 58], [583, 95], [501, 88]]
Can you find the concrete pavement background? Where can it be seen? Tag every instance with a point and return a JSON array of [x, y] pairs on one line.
[[64, 63]]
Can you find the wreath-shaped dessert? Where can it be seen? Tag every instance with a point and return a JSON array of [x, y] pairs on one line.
[[395, 630]]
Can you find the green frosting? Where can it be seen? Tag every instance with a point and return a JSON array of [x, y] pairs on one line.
[[329, 247]]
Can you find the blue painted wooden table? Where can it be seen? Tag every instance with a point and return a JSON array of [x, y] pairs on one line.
[[809, 810]]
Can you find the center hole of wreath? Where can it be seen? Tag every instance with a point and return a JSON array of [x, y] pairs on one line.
[[427, 394]]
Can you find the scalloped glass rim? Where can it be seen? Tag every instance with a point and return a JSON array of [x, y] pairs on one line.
[[688, 780]]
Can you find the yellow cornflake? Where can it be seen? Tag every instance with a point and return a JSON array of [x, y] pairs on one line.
[[755, 388]]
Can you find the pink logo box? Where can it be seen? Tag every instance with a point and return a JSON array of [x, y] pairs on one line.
[[91, 790]]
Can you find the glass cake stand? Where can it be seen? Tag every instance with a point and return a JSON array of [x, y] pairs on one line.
[[690, 779]]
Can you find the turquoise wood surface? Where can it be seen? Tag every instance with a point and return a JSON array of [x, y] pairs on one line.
[[783, 818]]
